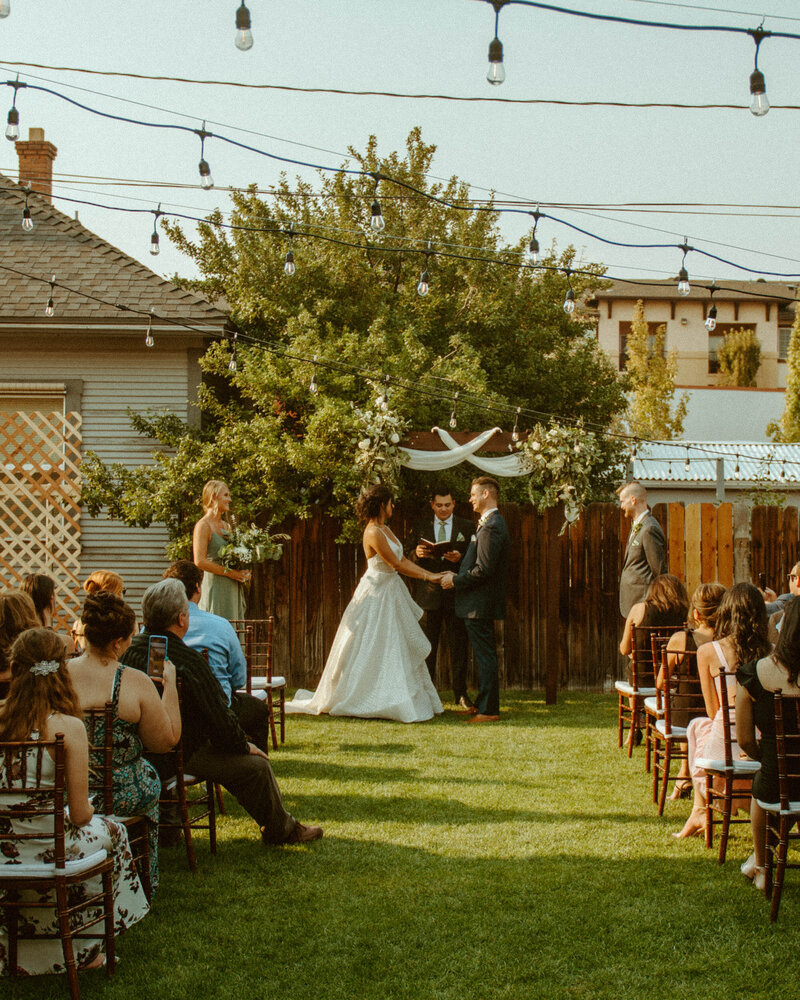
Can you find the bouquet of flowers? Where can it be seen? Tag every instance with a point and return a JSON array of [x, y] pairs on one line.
[[248, 545]]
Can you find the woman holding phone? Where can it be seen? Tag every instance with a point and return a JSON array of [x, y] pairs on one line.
[[142, 719], [223, 591]]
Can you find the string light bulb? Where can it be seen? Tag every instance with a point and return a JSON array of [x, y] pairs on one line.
[[782, 475], [233, 364], [206, 180], [424, 284], [683, 275], [12, 129], [383, 402], [496, 73], [711, 318], [313, 385], [149, 340], [569, 298], [687, 464], [154, 247], [515, 432], [27, 220], [289, 266], [5, 8], [453, 417], [376, 221], [50, 308], [244, 36], [533, 247], [759, 104], [736, 473]]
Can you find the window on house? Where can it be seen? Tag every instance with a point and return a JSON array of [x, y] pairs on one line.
[[784, 336], [624, 332], [715, 340], [30, 398]]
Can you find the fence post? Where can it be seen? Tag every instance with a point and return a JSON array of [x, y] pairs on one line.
[[741, 542]]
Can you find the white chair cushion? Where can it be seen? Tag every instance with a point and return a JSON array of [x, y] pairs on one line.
[[260, 683], [678, 732], [651, 705], [742, 767], [775, 807], [624, 688], [48, 871], [261, 695], [188, 779]]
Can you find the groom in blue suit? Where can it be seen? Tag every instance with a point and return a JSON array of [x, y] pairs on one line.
[[480, 592]]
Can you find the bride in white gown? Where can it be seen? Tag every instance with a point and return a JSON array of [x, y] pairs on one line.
[[376, 667]]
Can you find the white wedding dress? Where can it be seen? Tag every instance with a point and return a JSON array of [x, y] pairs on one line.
[[376, 667]]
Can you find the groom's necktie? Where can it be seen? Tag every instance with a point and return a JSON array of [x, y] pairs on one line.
[[442, 536]]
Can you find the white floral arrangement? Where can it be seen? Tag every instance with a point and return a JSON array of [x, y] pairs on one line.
[[378, 455], [563, 461], [247, 545]]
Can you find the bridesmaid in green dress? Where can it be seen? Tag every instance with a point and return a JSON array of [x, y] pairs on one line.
[[223, 591]]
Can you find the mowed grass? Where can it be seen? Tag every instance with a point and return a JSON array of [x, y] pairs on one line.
[[523, 860]]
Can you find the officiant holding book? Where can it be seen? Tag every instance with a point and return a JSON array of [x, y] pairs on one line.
[[438, 543]]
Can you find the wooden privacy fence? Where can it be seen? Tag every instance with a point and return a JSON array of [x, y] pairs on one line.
[[563, 624]]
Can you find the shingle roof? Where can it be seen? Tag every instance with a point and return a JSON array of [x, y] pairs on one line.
[[665, 461], [61, 246], [741, 290]]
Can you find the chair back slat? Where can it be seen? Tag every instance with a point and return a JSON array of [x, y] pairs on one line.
[[728, 713], [683, 692], [643, 659], [99, 723], [787, 739], [255, 637], [24, 796]]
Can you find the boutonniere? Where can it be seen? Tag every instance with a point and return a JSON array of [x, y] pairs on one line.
[[459, 537], [474, 538], [636, 529]]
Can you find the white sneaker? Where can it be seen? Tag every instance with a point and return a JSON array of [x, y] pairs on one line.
[[748, 868]]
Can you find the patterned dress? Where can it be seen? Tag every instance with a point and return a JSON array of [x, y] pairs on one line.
[[130, 903], [137, 787]]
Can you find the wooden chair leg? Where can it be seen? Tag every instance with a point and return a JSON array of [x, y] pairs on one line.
[[648, 742], [634, 726], [620, 727], [726, 819], [187, 829], [271, 707], [656, 767], [108, 902], [65, 931], [769, 859], [212, 817], [11, 916], [283, 715], [780, 869], [709, 811], [220, 799], [665, 777]]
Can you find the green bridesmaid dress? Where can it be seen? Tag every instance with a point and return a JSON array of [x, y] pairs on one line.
[[220, 595]]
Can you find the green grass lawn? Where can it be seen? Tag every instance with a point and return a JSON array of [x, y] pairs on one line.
[[519, 860]]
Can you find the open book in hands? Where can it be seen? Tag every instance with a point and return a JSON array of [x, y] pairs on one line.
[[437, 548]]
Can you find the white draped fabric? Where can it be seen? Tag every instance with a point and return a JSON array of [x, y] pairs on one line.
[[432, 461]]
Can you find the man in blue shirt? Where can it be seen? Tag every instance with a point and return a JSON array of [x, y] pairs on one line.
[[225, 656]]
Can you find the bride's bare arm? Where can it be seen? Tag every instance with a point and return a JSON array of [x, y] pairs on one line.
[[376, 541]]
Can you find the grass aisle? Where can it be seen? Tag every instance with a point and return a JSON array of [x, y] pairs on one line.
[[519, 860]]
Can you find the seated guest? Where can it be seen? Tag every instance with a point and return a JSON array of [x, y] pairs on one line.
[[101, 579], [757, 681], [40, 704], [142, 719], [702, 615], [225, 657], [214, 744], [666, 605], [776, 608], [17, 613], [42, 591], [740, 635]]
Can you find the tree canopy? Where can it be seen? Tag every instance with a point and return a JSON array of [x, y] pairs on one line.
[[651, 371], [494, 333]]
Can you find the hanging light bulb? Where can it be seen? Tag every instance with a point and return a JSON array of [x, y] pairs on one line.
[[687, 465], [533, 252], [759, 105], [711, 319], [424, 284], [244, 36], [383, 402], [453, 418], [669, 469], [515, 432], [206, 180], [50, 309], [683, 282], [313, 385], [289, 266], [497, 73], [27, 220], [149, 340], [154, 247], [569, 302], [12, 129], [377, 222], [782, 475], [736, 473], [5, 8]]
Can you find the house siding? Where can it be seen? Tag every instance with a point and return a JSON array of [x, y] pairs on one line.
[[116, 375]]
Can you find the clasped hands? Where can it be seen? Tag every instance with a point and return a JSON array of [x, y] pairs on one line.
[[444, 579]]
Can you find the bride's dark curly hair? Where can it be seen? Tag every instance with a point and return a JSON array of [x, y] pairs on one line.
[[370, 503], [742, 618]]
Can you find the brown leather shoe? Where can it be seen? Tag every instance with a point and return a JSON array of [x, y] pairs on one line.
[[484, 718], [465, 706], [302, 834]]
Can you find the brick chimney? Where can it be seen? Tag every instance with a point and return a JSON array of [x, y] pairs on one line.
[[36, 162]]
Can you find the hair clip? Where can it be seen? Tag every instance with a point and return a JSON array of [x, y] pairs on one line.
[[43, 667]]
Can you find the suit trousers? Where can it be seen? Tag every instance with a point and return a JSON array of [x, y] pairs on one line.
[[432, 624], [250, 779], [482, 640], [253, 717]]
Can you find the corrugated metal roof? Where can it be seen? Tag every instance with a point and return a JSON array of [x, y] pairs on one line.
[[666, 461]]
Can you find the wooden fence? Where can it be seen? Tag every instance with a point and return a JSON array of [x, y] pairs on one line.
[[563, 623]]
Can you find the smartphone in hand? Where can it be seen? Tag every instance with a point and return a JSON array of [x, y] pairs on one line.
[[156, 655]]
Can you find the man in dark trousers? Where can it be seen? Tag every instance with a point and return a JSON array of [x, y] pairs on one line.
[[439, 605], [644, 553], [480, 592]]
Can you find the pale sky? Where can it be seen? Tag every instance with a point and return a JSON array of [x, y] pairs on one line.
[[542, 153]]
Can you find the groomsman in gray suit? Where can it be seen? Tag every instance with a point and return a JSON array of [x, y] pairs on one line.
[[644, 553]]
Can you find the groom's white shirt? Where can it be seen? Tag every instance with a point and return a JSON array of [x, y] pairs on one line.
[[448, 528]]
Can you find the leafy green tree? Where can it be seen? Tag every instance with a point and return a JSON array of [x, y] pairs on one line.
[[739, 358], [787, 429], [651, 373], [493, 332]]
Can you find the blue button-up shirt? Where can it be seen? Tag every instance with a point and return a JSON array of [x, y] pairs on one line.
[[225, 656]]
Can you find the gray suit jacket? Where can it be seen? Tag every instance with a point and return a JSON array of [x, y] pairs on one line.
[[644, 561]]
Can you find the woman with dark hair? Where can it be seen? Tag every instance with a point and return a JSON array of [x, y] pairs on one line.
[[42, 591], [740, 635], [756, 683], [41, 704], [17, 613], [142, 719], [666, 604], [376, 667]]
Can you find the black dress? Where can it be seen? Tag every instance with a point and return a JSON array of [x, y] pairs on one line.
[[765, 782], [653, 617]]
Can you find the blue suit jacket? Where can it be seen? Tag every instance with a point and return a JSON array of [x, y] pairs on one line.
[[482, 581]]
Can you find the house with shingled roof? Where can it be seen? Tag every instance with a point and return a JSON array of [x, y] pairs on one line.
[[68, 379]]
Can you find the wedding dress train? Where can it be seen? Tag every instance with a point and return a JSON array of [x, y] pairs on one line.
[[376, 667]]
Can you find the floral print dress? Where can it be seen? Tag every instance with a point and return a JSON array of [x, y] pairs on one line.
[[39, 956], [137, 787]]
